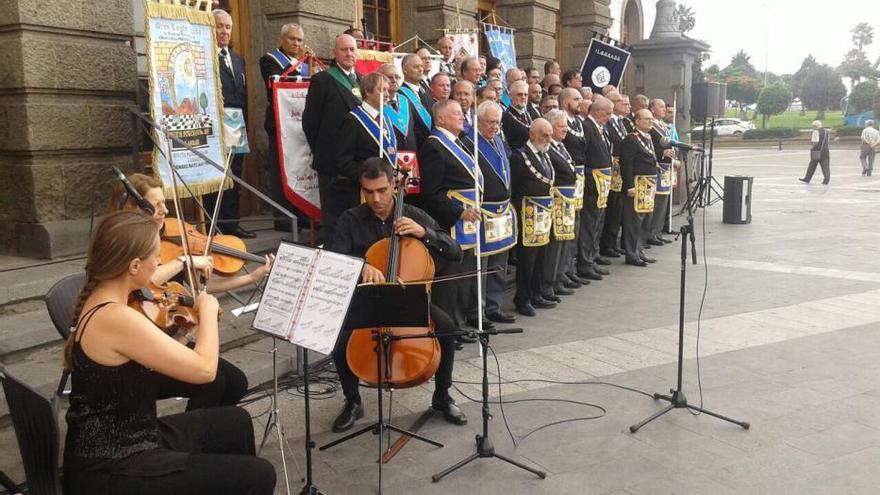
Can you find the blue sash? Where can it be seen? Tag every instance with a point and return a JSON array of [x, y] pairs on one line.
[[505, 100], [464, 233], [498, 232], [464, 159], [389, 141], [499, 162], [413, 98], [664, 178], [400, 118], [280, 58]]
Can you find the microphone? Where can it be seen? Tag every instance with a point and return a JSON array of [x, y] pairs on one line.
[[669, 143], [132, 192]]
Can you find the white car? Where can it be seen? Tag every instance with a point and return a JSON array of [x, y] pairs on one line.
[[728, 127]]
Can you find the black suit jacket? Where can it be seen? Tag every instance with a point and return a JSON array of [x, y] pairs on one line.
[[268, 68], [441, 171], [516, 128], [635, 160], [419, 128], [564, 174], [525, 182], [232, 83], [616, 133], [327, 107], [494, 188], [598, 154], [576, 145], [533, 110], [656, 136], [354, 145]]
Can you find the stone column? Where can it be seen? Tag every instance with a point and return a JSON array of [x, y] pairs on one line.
[[426, 18], [535, 24], [68, 80], [579, 19]]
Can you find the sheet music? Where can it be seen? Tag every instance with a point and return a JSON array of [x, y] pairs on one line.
[[329, 294], [283, 290]]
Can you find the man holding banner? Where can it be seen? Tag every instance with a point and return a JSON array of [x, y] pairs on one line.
[[332, 95]]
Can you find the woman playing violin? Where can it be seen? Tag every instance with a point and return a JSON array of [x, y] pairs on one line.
[[117, 358], [230, 384]]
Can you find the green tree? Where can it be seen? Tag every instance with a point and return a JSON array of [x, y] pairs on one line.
[[773, 100], [713, 73], [797, 79], [862, 35], [856, 67], [684, 18], [822, 90], [742, 81], [861, 98]]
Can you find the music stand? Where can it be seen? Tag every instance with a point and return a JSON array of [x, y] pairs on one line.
[[387, 306]]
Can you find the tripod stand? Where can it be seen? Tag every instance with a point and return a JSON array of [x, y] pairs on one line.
[[676, 397], [707, 191], [485, 447], [274, 422]]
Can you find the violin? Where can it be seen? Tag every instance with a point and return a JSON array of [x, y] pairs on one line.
[[228, 252], [410, 362], [170, 306]]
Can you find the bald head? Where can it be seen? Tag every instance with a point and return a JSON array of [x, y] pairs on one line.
[[644, 120], [540, 134], [345, 51], [569, 100]]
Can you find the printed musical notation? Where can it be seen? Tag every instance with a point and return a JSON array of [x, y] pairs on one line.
[[307, 296]]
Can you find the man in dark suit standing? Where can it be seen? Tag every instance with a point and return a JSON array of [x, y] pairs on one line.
[[596, 187], [232, 84], [332, 94], [417, 95], [576, 145], [516, 119], [361, 133], [638, 171], [617, 131], [275, 62]]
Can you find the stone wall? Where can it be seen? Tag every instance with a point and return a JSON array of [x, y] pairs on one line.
[[68, 80], [579, 19]]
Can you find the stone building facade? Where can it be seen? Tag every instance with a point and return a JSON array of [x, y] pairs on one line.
[[71, 76]]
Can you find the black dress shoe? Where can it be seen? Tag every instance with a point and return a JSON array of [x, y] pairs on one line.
[[465, 339], [352, 412], [590, 275], [525, 309], [805, 181], [541, 303], [239, 232], [451, 412], [562, 291], [487, 325], [621, 251], [609, 254], [635, 262], [664, 240], [501, 317], [601, 271], [654, 242], [571, 284], [648, 260], [602, 261], [646, 246], [552, 298], [581, 280]]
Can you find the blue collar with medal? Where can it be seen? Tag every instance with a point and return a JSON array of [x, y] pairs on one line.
[[413, 98], [466, 161], [399, 117], [389, 139], [496, 158]]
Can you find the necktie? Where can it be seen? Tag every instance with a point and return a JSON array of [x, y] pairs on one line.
[[224, 54], [545, 163], [393, 104], [353, 78]]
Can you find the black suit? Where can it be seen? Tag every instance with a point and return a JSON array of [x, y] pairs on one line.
[[597, 155], [234, 90], [636, 158], [516, 127], [268, 68], [407, 141], [617, 131], [441, 172], [421, 130], [534, 111], [559, 253], [529, 259], [326, 109], [661, 201]]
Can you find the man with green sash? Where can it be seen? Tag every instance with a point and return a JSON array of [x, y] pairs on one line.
[[332, 95], [532, 179]]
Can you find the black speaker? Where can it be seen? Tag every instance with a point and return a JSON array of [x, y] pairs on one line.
[[708, 100], [737, 199]]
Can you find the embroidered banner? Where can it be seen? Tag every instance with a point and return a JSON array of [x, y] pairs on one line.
[[185, 96], [604, 64], [299, 180], [500, 42]]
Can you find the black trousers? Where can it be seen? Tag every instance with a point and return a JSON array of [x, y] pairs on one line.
[[337, 195], [458, 298], [613, 222], [227, 389], [557, 260], [442, 379], [592, 220], [866, 156], [660, 215], [529, 262], [216, 447], [494, 283], [633, 230], [825, 163], [229, 206]]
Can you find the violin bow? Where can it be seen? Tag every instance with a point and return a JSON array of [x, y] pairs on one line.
[[189, 268], [213, 225]]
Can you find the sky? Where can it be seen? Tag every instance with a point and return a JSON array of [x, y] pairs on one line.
[[782, 32]]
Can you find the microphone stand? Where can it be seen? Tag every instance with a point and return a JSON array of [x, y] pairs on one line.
[[676, 397]]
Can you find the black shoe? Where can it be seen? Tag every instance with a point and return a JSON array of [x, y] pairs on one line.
[[500, 317], [451, 412], [805, 181], [602, 261], [465, 339], [648, 260], [241, 233], [562, 291], [825, 182], [636, 262], [525, 309], [283, 226], [458, 346], [552, 298], [581, 280], [571, 284], [609, 254], [590, 275], [487, 325], [621, 251], [664, 240], [352, 412], [654, 242], [646, 246], [541, 303], [601, 271]]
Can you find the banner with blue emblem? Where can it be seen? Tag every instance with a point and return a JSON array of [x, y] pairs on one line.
[[604, 64], [500, 42]]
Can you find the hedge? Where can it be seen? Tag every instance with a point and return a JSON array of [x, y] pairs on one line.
[[772, 133], [848, 131]]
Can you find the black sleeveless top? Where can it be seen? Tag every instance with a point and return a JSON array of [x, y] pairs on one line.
[[112, 414]]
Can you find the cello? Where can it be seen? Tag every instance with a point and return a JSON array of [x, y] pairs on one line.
[[408, 362]]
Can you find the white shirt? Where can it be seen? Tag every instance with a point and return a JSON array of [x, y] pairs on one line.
[[446, 132], [372, 112], [871, 136], [415, 87]]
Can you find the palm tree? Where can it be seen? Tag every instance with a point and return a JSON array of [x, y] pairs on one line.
[[862, 35], [684, 17]]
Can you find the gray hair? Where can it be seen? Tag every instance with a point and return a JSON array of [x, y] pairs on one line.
[[219, 12], [555, 115], [817, 124], [486, 107], [440, 108], [518, 84], [869, 123], [290, 27]]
